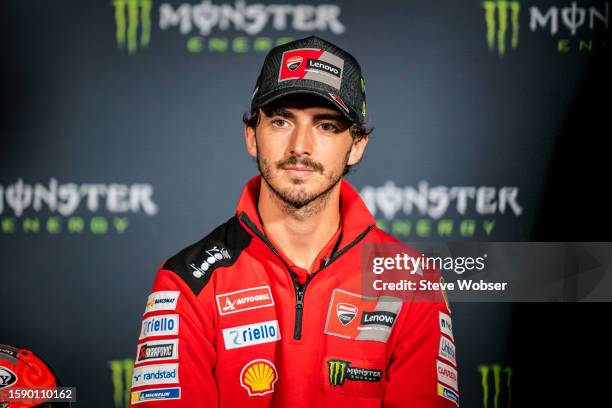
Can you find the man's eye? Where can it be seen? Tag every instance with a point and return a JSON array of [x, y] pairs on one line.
[[279, 122], [329, 127]]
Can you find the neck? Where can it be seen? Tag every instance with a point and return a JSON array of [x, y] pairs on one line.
[[300, 233]]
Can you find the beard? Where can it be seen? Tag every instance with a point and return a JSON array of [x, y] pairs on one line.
[[297, 196]]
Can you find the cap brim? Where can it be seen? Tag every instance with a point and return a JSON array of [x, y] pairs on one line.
[[279, 93]]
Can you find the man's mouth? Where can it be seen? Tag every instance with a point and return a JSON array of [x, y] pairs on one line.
[[298, 171]]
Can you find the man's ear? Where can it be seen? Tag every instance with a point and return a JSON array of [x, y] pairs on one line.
[[250, 140], [357, 149]]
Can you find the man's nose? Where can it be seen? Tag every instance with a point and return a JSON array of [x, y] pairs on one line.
[[301, 141]]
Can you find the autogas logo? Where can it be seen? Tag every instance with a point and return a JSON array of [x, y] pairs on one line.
[[244, 299], [219, 27], [574, 27], [69, 208]]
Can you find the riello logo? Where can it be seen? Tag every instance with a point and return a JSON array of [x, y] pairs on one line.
[[502, 21]]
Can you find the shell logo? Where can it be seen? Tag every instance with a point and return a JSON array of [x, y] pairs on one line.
[[258, 377]]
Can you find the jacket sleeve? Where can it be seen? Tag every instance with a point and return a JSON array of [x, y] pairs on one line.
[[422, 369], [175, 358]]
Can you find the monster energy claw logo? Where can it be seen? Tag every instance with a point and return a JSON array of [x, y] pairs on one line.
[[506, 10], [497, 370], [127, 28], [340, 371], [121, 374]]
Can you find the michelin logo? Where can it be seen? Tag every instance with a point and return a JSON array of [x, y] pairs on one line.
[[251, 334], [163, 300], [156, 394], [155, 374]]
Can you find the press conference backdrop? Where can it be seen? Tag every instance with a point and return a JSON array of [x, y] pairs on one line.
[[121, 143]]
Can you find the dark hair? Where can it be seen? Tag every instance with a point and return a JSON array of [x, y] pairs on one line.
[[358, 131]]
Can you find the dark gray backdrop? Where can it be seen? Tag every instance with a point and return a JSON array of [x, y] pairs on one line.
[[93, 98]]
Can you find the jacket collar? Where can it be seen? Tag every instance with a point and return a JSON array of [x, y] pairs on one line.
[[355, 217]]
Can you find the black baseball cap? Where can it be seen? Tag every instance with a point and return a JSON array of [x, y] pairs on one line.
[[315, 66]]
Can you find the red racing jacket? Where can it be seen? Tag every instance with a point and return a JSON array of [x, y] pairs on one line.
[[231, 322]]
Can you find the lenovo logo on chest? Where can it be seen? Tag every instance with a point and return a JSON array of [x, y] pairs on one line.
[[378, 318]]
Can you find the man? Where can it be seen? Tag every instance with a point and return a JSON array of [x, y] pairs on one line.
[[268, 309]]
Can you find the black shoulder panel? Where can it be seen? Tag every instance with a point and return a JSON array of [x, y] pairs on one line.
[[222, 247]]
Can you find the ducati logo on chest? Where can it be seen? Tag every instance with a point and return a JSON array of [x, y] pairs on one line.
[[346, 312]]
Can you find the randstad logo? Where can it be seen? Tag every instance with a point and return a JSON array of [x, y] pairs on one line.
[[132, 23], [502, 21]]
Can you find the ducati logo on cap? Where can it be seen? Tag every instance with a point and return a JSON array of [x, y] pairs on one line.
[[294, 62], [346, 312]]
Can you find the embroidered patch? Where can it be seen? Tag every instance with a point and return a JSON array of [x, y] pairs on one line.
[[375, 316]]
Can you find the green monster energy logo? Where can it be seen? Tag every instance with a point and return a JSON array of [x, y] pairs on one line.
[[497, 370], [340, 370], [127, 28], [337, 371], [505, 10], [121, 374]]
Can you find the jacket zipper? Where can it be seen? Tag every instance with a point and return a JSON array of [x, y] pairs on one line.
[[300, 291]]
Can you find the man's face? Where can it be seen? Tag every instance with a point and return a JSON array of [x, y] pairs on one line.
[[302, 146]]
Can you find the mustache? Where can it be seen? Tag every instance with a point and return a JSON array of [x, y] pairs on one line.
[[306, 162]]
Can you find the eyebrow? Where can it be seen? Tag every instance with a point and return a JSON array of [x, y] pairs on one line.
[[319, 116]]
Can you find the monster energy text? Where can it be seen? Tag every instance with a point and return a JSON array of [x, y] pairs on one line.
[[341, 370]]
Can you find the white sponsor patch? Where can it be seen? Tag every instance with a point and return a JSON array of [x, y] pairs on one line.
[[251, 334], [244, 299], [157, 350], [162, 325], [447, 374], [446, 325], [447, 393], [156, 394], [155, 374], [447, 350], [163, 300]]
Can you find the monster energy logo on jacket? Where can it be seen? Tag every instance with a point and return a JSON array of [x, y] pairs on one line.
[[340, 371]]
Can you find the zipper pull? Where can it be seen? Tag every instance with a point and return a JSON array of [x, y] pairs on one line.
[[324, 262], [299, 301]]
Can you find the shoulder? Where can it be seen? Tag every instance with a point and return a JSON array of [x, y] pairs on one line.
[[196, 263]]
